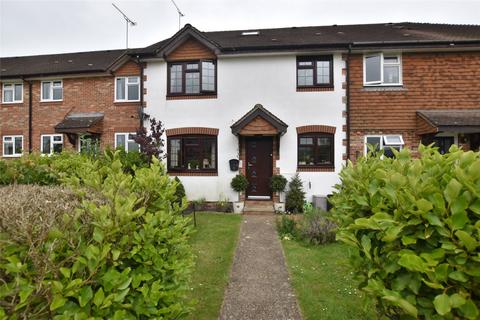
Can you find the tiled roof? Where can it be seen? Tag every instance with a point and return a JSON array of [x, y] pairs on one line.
[[41, 65], [79, 120], [259, 110], [337, 36], [295, 38], [461, 120]]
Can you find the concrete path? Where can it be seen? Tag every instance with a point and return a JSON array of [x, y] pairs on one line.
[[259, 285]]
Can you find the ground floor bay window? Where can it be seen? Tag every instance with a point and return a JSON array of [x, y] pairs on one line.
[[192, 153]]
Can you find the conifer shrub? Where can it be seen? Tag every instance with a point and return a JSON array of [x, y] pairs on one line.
[[179, 191], [106, 244], [295, 197], [415, 226]]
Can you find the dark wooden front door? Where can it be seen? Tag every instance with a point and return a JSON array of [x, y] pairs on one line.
[[259, 166]]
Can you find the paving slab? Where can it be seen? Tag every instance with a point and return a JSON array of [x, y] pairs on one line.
[[259, 286]]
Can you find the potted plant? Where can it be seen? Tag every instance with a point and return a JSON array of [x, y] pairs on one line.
[[278, 184], [239, 183]]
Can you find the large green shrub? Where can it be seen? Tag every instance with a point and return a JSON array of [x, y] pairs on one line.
[[48, 170], [415, 224], [121, 251], [32, 169], [295, 197]]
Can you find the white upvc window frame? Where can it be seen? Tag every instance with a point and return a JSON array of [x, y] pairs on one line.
[[13, 84], [127, 83], [52, 142], [127, 139], [42, 98], [383, 141], [381, 82], [14, 155]]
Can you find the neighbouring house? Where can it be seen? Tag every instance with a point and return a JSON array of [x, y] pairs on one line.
[[79, 101], [404, 93], [283, 101]]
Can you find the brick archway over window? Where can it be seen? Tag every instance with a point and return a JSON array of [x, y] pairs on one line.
[[316, 129], [191, 130]]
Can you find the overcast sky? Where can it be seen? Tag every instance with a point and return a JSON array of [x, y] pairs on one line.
[[38, 26]]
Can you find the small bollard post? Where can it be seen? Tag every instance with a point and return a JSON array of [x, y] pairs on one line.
[[194, 215]]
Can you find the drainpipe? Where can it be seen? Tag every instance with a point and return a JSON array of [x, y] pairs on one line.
[[348, 99], [140, 112], [30, 112]]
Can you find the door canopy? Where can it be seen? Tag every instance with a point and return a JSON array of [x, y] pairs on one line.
[[259, 121]]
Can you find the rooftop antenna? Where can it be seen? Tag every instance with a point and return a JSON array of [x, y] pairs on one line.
[[127, 20], [180, 15]]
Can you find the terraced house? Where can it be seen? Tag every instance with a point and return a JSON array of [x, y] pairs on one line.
[[78, 101], [260, 102]]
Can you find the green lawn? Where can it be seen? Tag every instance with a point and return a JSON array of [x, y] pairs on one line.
[[323, 282], [214, 244]]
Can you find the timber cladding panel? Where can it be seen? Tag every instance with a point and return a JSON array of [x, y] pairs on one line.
[[191, 49], [258, 126]]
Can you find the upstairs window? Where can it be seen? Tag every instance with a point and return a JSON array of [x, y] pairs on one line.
[[126, 141], [12, 146], [51, 143], [52, 90], [315, 71], [127, 89], [12, 93], [382, 69], [315, 150], [192, 153], [385, 143], [192, 78]]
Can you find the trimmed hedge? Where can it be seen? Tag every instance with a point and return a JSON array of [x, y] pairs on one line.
[[118, 249], [415, 226]]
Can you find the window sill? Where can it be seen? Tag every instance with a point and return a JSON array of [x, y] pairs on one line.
[[376, 88], [11, 104], [193, 173], [12, 156], [51, 101], [189, 97], [313, 89], [125, 101], [315, 169]]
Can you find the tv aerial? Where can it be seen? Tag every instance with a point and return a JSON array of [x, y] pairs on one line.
[[128, 21], [180, 14]]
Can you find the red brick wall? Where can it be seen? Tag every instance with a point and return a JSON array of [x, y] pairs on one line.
[[86, 94], [430, 81]]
